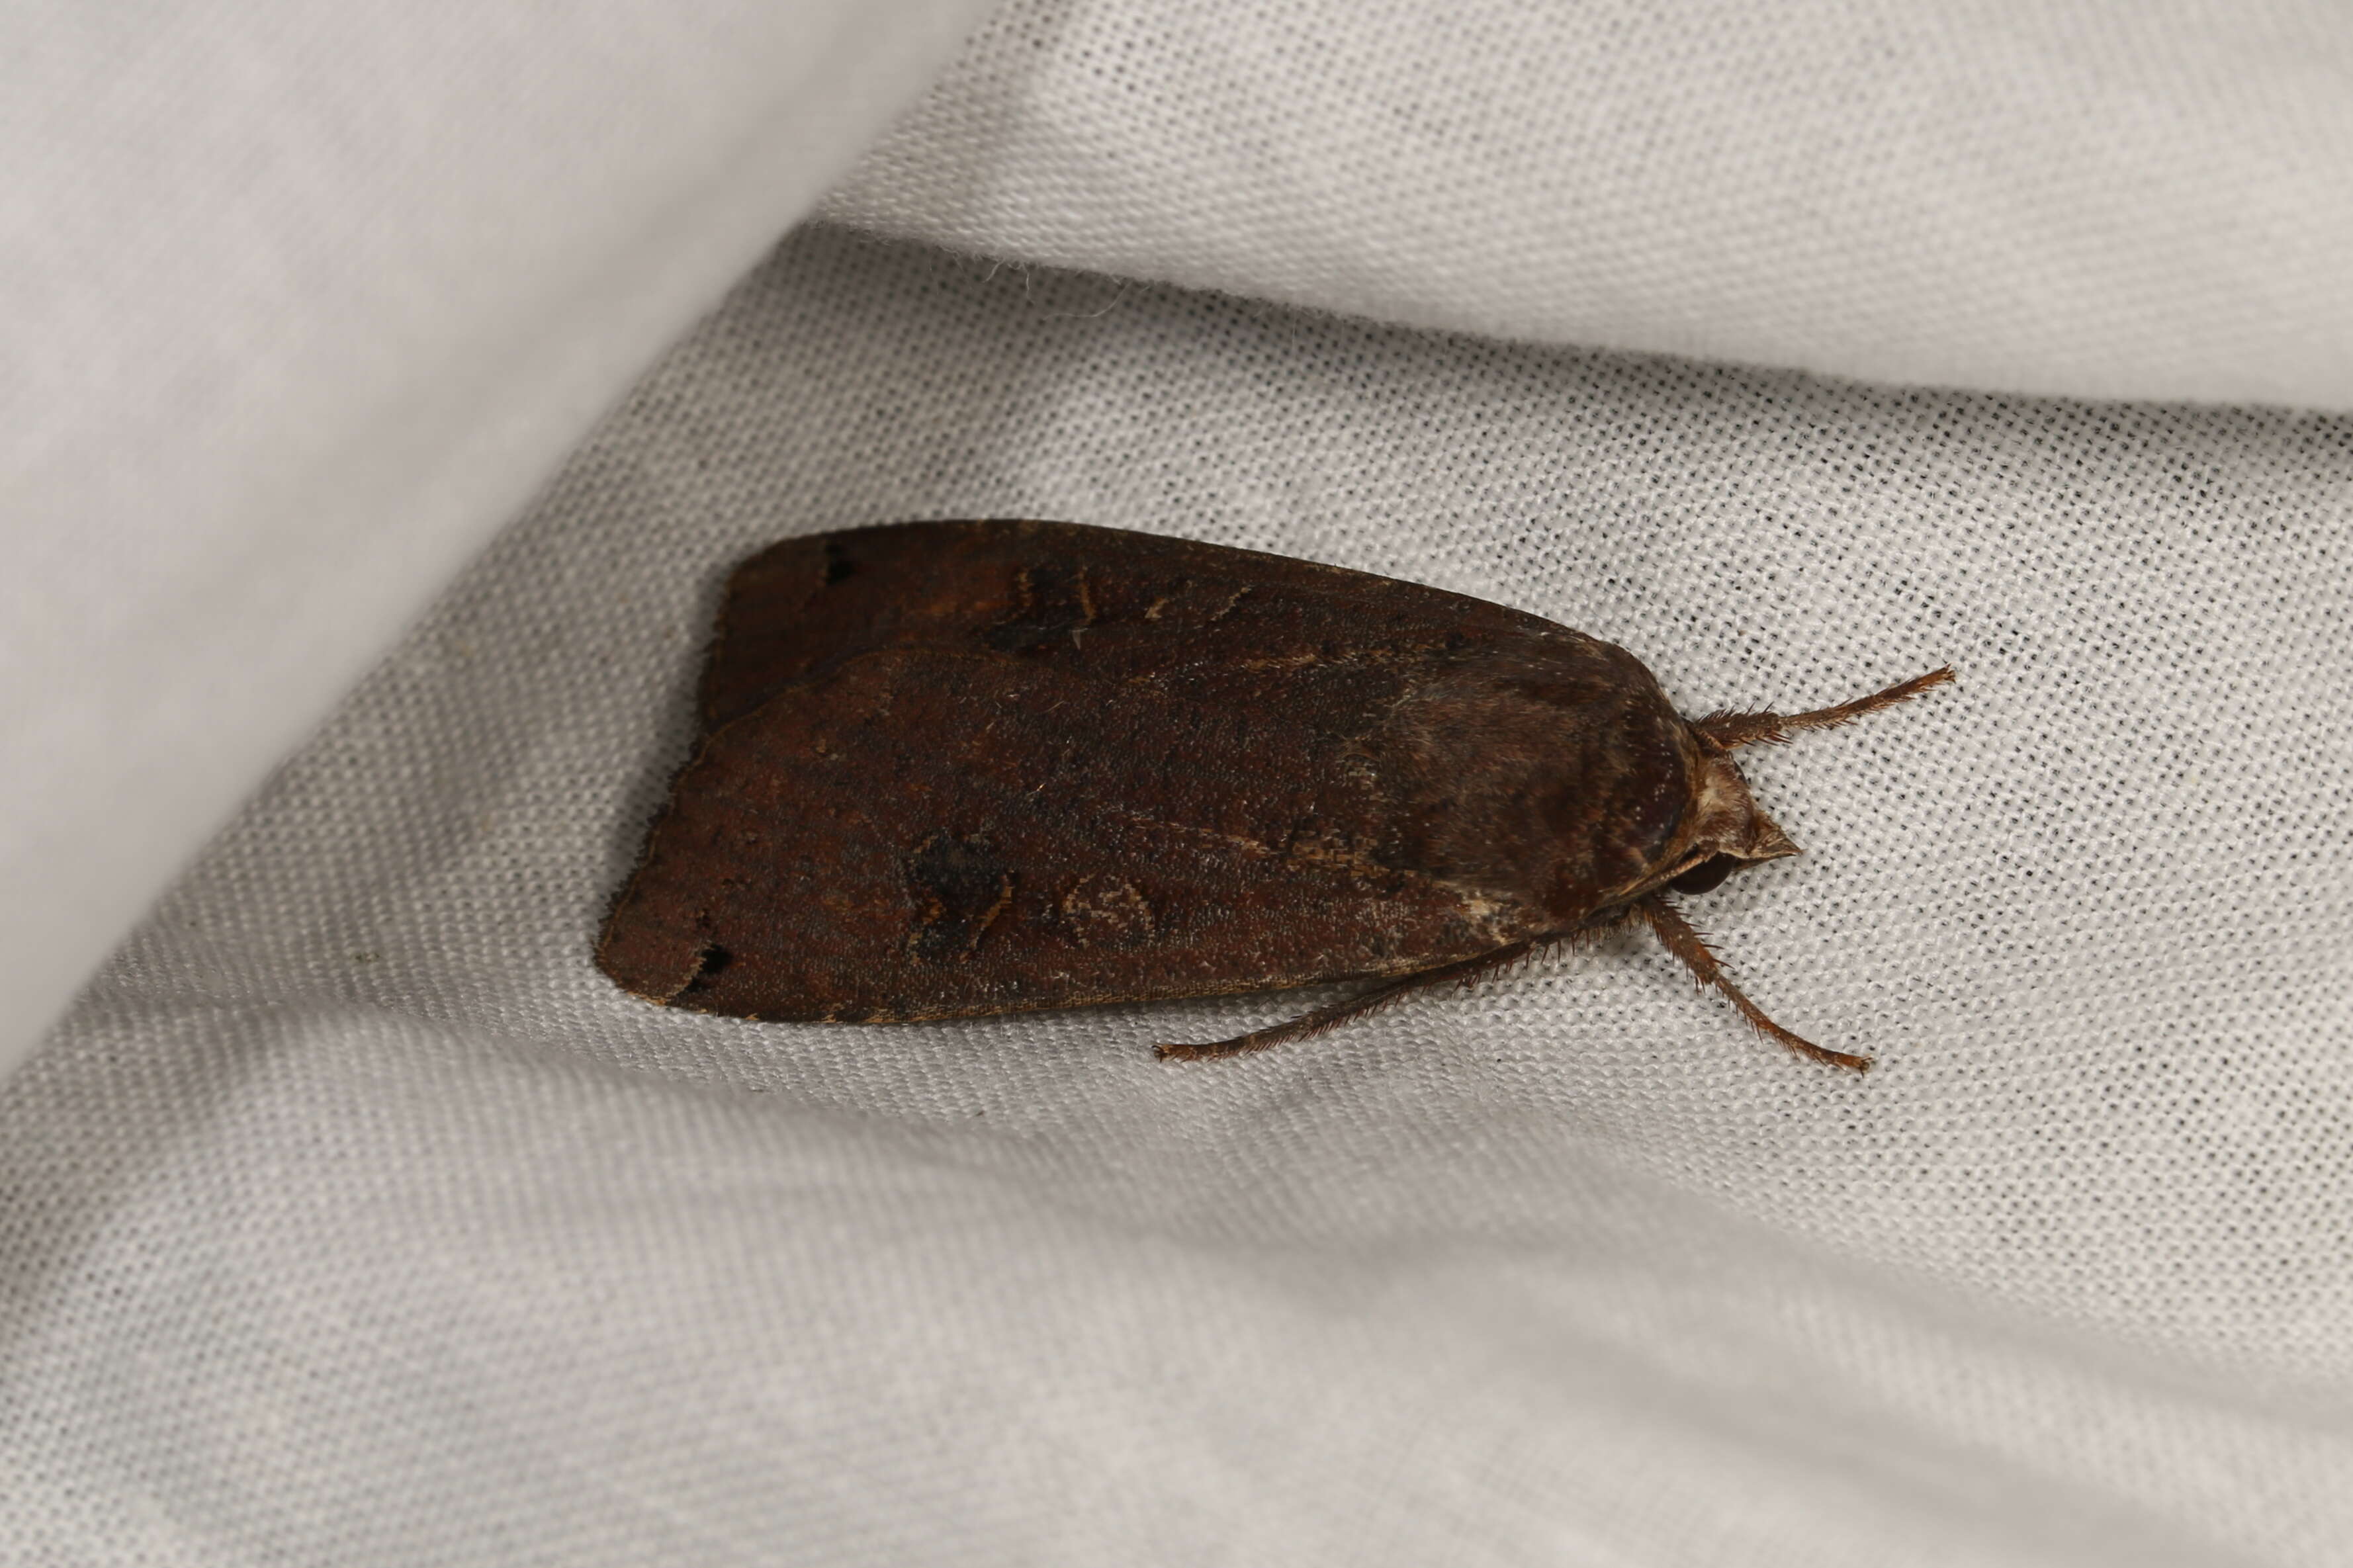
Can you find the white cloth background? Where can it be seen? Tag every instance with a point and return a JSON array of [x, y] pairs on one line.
[[2145, 200], [350, 1217]]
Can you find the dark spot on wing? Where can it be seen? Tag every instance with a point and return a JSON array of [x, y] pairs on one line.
[[958, 888], [1054, 605]]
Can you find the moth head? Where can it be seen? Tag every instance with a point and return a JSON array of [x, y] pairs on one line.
[[1723, 830]]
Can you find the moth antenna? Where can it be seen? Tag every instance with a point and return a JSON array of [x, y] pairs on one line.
[[1676, 935], [1362, 1005], [1730, 730]]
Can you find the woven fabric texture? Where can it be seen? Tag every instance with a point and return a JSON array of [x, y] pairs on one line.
[[2137, 200], [355, 1219], [304, 303], [351, 1217]]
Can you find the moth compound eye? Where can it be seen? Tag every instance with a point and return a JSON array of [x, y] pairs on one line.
[[1707, 874]]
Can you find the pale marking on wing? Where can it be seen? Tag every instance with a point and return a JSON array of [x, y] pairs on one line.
[[1252, 845], [1477, 907]]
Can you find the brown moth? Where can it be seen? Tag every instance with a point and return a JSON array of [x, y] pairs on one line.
[[960, 768]]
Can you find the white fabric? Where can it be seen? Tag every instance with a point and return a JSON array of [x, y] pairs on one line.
[[301, 302], [351, 1217], [2138, 199]]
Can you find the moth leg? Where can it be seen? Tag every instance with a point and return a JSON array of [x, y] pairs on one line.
[[1357, 1006], [1676, 935], [1731, 730]]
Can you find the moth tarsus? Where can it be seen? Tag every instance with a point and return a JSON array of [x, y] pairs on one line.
[[1362, 1005], [1732, 731], [1678, 936]]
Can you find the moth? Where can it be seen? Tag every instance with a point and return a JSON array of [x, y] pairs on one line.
[[948, 769]]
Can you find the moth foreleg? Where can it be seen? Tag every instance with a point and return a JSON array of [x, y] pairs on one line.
[[1676, 935], [1732, 731], [1357, 1006]]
